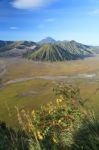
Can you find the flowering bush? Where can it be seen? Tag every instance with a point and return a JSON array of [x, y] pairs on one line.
[[54, 124]]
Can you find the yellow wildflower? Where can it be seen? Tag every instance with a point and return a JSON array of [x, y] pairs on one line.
[[49, 111], [59, 121], [33, 113], [54, 140], [59, 100], [40, 136]]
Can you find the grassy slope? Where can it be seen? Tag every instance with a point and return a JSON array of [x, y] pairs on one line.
[[25, 95], [76, 48]]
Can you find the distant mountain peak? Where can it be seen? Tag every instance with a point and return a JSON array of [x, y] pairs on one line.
[[47, 40], [48, 37]]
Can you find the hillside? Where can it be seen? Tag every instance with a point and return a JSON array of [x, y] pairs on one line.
[[16, 48], [61, 51], [75, 47], [95, 49]]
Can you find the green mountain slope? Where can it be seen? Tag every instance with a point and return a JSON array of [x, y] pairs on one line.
[[16, 48], [61, 51], [95, 49], [75, 47], [8, 45]]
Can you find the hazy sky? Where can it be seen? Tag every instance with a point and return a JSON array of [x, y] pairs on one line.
[[61, 19]]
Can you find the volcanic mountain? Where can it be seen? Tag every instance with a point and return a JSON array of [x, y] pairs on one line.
[[60, 51]]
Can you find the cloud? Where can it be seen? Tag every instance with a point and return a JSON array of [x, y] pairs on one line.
[[94, 12], [50, 20], [29, 4], [13, 28]]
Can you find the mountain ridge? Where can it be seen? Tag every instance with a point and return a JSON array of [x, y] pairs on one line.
[[51, 51], [16, 48]]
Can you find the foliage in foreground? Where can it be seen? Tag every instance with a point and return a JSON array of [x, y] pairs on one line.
[[64, 124]]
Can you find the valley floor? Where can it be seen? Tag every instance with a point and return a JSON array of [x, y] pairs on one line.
[[28, 85], [13, 68]]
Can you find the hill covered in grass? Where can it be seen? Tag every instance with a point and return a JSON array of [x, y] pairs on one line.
[[61, 51]]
